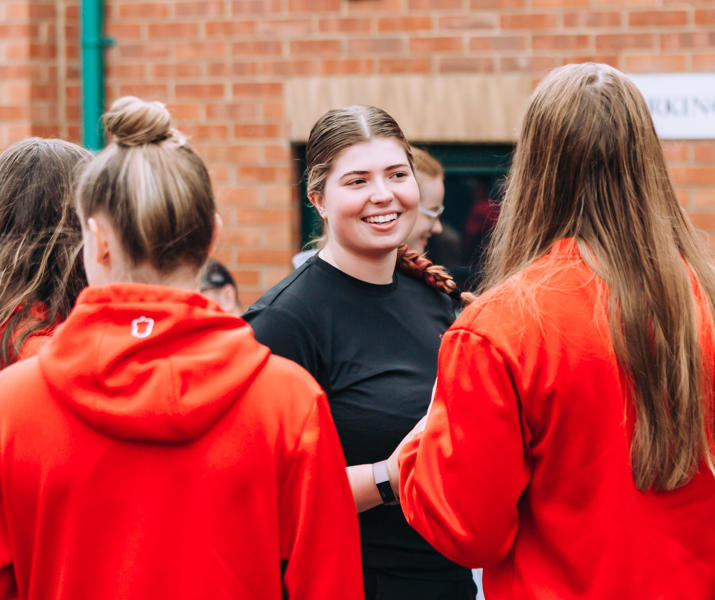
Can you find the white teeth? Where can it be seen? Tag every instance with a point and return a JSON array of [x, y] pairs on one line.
[[381, 218]]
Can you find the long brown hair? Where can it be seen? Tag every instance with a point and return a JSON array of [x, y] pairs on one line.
[[589, 165], [41, 270], [343, 127], [152, 186]]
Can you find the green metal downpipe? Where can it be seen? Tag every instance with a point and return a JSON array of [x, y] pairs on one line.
[[93, 43]]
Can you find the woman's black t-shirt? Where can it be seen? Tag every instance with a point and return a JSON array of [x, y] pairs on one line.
[[373, 349]]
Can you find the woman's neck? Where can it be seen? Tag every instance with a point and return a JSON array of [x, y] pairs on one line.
[[378, 268]]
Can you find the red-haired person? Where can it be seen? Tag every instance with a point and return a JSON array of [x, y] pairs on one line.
[[364, 317], [569, 447], [430, 180], [153, 449], [41, 268]]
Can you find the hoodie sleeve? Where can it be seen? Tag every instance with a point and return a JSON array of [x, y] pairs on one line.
[[8, 585], [320, 538], [461, 479]]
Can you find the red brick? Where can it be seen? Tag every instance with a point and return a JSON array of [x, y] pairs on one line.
[[434, 4], [280, 196], [704, 198], [436, 44], [655, 63], [231, 154], [693, 175], [592, 19], [184, 112], [288, 68], [375, 6], [246, 277], [705, 152], [256, 131], [348, 25], [497, 42], [144, 10], [229, 28], [349, 66], [223, 69], [561, 3], [126, 31], [703, 62], [421, 23], [194, 50], [313, 6], [501, 4], [254, 47], [690, 40], [200, 91], [264, 256], [260, 7], [405, 65], [200, 8], [146, 91], [175, 71], [533, 64], [485, 21], [532, 21], [379, 45], [240, 196], [173, 30], [625, 41], [260, 216], [705, 221], [232, 111], [286, 27], [467, 65], [705, 17], [273, 110], [144, 51], [14, 113], [676, 151], [315, 47], [258, 89], [658, 18], [277, 153], [561, 42]]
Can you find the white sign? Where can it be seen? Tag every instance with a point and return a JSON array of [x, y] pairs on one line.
[[682, 104]]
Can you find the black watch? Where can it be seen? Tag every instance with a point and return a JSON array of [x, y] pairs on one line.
[[382, 481]]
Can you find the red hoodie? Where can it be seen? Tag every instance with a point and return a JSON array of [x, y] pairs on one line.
[[154, 449], [523, 467]]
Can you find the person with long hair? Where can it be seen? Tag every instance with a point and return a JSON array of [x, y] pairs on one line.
[[569, 446], [364, 317], [154, 449], [41, 270]]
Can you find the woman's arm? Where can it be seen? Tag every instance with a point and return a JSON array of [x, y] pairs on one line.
[[363, 487]]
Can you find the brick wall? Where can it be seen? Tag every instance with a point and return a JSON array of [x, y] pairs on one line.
[[221, 65]]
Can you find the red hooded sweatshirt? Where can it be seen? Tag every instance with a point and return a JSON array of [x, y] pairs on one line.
[[523, 467], [154, 449]]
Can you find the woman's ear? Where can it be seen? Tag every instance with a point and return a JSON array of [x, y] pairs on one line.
[[316, 199], [218, 226], [98, 229]]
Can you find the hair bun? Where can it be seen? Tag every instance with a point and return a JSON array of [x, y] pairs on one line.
[[134, 122]]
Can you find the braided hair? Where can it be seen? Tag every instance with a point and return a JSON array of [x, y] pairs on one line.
[[420, 267]]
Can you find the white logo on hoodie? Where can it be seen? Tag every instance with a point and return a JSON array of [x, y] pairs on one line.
[[142, 327]]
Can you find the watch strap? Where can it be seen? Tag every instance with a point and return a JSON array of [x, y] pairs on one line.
[[382, 481]]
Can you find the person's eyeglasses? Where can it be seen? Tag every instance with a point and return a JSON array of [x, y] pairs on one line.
[[432, 214]]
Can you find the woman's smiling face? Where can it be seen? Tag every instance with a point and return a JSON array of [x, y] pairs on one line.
[[370, 198]]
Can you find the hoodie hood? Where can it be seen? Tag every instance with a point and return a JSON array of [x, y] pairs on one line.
[[150, 363]]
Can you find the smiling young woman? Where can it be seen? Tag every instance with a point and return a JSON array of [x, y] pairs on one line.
[[359, 317]]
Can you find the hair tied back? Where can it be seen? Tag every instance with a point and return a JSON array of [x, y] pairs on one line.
[[134, 122]]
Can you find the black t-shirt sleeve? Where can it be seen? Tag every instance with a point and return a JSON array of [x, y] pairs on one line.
[[286, 336]]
